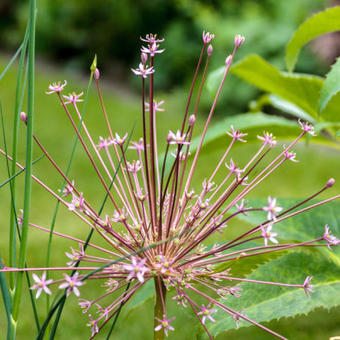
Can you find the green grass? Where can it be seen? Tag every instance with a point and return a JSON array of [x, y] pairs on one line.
[[316, 165]]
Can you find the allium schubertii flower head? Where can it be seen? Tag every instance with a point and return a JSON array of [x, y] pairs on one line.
[[159, 222]]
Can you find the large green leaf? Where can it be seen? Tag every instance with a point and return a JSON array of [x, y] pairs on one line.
[[252, 123], [264, 302], [140, 297], [320, 23], [302, 90], [281, 105], [331, 85]]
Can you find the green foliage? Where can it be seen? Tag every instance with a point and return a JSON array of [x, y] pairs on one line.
[[320, 23], [265, 302], [142, 295], [252, 122], [331, 86]]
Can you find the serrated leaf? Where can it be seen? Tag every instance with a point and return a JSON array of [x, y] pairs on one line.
[[331, 85], [320, 23], [140, 297], [267, 302]]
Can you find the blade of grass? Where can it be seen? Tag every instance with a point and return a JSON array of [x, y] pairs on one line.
[[19, 96], [11, 62], [19, 172], [5, 294], [117, 315], [28, 173], [15, 222]]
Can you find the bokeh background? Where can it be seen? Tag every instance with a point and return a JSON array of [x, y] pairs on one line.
[[69, 34]]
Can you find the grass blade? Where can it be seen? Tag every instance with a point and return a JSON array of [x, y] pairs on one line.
[[28, 173], [5, 294]]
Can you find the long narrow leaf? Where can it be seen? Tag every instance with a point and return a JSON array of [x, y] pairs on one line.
[[5, 294], [28, 173]]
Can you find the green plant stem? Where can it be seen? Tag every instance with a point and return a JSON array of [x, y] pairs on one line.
[[28, 175], [17, 109], [160, 291]]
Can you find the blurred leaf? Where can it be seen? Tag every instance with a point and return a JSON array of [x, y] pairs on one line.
[[268, 302], [320, 23], [142, 295], [331, 85], [252, 122], [282, 105], [301, 90]]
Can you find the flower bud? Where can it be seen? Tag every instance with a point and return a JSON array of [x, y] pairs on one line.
[[144, 58], [210, 50], [228, 60], [170, 137], [330, 182], [192, 119], [96, 74], [23, 117], [238, 40]]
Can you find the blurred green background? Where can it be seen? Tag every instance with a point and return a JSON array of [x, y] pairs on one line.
[[69, 33]]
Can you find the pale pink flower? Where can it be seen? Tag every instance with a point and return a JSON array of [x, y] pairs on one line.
[[236, 134], [56, 87], [41, 284], [272, 209], [206, 313], [143, 70], [207, 37], [267, 234], [119, 140], [177, 138], [308, 128], [165, 324], [136, 269], [330, 239], [73, 98], [71, 284], [307, 286], [156, 106], [268, 139], [152, 49]]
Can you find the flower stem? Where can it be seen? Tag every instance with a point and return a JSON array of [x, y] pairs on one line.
[[160, 291]]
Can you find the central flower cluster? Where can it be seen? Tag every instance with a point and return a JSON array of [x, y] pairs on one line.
[[160, 223]]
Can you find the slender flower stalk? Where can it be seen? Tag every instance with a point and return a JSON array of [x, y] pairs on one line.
[[159, 222]]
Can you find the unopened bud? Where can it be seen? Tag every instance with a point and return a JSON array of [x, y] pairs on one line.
[[144, 58], [238, 40], [330, 182], [169, 138], [94, 64], [210, 50], [23, 117], [96, 74], [192, 119], [228, 60]]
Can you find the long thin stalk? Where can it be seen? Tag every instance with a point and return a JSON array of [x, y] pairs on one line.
[[28, 174]]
